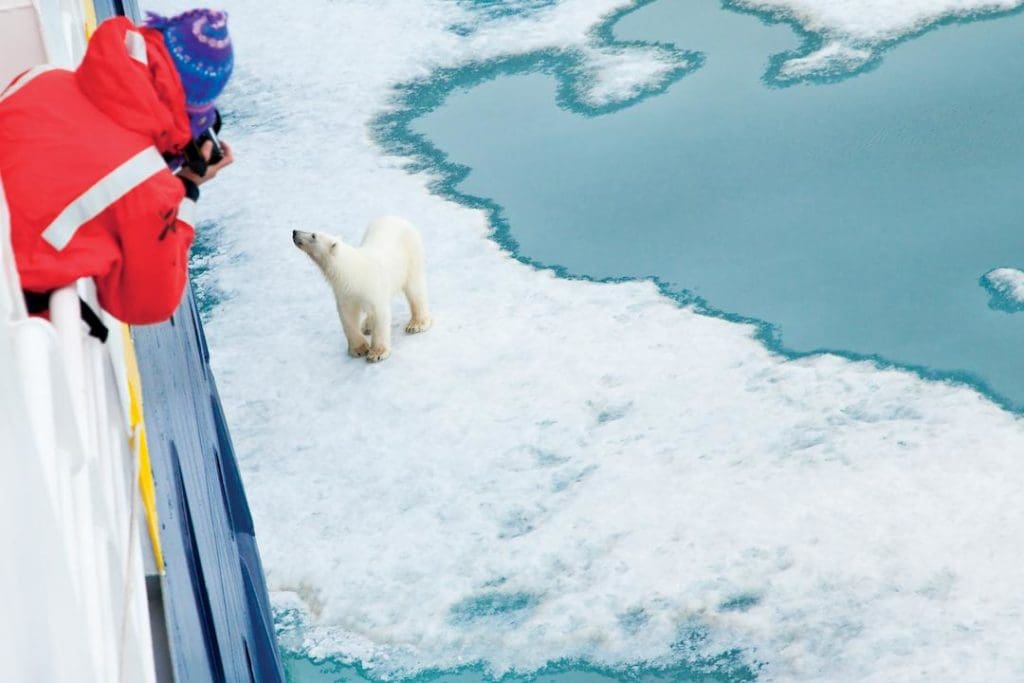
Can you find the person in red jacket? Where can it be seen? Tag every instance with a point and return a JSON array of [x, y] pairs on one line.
[[83, 159]]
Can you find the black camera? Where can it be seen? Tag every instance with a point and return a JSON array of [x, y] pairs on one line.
[[193, 150]]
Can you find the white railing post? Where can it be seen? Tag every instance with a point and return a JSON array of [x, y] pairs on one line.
[[65, 314]]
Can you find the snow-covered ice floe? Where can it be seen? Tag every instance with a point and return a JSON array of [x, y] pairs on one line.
[[843, 36], [833, 59], [566, 470], [1006, 285]]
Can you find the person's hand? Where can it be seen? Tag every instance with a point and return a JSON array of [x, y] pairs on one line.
[[213, 169]]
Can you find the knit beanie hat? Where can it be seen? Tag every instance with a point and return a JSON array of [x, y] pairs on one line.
[[200, 47]]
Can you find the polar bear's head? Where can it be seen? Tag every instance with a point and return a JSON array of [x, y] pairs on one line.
[[319, 245]]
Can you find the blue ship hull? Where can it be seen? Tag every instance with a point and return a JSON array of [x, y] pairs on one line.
[[214, 598]]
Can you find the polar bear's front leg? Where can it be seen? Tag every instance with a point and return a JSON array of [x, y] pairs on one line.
[[349, 315], [380, 339]]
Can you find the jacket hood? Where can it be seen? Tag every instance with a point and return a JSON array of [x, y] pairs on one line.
[[128, 74]]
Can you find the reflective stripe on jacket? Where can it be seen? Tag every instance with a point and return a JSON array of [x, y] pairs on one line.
[[87, 186]]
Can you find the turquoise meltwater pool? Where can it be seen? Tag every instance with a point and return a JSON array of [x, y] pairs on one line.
[[856, 214]]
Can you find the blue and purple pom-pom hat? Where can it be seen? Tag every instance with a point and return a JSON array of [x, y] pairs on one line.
[[200, 46]]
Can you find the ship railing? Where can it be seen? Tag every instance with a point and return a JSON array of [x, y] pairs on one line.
[[37, 31], [71, 513]]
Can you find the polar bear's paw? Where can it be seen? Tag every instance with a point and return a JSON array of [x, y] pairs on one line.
[[360, 350], [418, 325], [378, 353]]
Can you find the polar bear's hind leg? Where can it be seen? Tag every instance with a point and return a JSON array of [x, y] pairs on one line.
[[416, 294], [380, 340]]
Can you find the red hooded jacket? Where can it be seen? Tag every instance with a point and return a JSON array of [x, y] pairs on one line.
[[87, 186]]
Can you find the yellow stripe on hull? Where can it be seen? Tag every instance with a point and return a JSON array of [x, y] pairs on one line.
[[90, 17], [138, 428]]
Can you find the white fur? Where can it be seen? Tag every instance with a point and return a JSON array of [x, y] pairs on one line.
[[366, 278]]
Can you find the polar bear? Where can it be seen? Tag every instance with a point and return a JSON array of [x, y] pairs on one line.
[[366, 278]]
